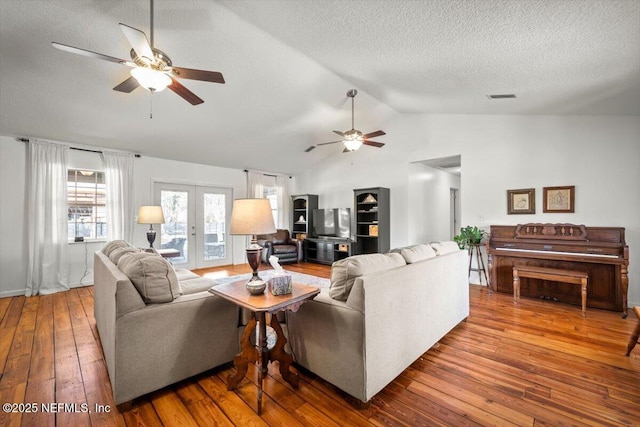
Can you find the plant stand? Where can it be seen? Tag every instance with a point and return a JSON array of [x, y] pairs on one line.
[[475, 250]]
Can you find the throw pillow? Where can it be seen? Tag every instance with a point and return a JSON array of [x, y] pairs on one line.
[[345, 271], [443, 248], [152, 275], [117, 253], [417, 253], [115, 244]]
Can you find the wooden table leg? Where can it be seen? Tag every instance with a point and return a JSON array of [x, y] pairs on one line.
[[263, 354], [516, 287], [248, 354], [258, 353], [278, 353]]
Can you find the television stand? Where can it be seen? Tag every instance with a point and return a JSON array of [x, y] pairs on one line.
[[327, 250]]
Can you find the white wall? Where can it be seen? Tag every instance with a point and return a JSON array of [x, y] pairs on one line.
[[600, 155], [430, 203], [13, 222], [335, 179]]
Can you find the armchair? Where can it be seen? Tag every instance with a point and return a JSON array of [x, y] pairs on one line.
[[281, 245]]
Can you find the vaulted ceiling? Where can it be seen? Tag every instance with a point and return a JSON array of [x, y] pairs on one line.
[[289, 64]]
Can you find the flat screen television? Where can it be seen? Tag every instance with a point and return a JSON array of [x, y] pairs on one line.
[[332, 222]]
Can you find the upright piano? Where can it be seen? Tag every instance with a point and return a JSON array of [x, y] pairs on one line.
[[599, 251]]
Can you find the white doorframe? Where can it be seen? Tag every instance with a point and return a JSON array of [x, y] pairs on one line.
[[454, 206]]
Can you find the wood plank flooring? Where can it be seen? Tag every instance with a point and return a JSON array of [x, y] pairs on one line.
[[536, 364]]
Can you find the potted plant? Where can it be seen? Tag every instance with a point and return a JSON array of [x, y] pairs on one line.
[[470, 236]]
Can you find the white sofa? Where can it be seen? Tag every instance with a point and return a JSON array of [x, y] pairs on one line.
[[149, 345], [388, 319]]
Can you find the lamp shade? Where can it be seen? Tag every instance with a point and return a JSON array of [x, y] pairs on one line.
[[150, 215], [252, 216]]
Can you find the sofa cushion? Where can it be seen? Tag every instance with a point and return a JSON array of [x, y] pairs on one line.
[[117, 253], [442, 248], [417, 253], [115, 244], [184, 274], [345, 271], [152, 275], [197, 284]]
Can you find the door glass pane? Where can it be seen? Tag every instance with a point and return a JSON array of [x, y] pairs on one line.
[[174, 230], [214, 226]]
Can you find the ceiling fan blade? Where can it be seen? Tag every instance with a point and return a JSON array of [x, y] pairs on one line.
[[205, 76], [310, 148], [327, 143], [90, 54], [374, 134], [138, 41], [338, 132], [185, 93], [127, 86], [373, 143]]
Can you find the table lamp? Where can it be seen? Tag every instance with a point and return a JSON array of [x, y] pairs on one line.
[[252, 217], [150, 215]]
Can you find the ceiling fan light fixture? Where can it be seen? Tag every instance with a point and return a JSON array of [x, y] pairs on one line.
[[352, 144], [151, 80]]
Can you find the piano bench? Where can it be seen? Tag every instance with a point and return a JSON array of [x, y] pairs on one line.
[[543, 273]]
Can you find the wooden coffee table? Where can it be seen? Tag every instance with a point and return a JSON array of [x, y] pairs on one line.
[[260, 305]]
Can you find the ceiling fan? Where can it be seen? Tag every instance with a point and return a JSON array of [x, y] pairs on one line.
[[353, 139], [150, 68]]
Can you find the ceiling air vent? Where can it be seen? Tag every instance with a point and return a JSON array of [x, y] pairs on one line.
[[502, 96]]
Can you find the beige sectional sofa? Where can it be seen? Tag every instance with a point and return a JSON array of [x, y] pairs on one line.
[[381, 313], [157, 326]]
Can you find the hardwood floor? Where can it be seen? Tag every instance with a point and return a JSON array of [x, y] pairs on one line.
[[538, 364]]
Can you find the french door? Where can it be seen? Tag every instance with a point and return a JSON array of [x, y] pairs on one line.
[[197, 220]]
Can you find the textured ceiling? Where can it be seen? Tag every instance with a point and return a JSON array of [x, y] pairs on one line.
[[289, 64], [558, 57]]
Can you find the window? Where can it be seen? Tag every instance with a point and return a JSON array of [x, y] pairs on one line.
[[271, 193], [86, 198]]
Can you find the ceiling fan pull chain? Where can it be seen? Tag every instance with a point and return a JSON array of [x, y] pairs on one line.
[[151, 106]]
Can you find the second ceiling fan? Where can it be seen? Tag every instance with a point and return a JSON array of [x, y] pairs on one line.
[[353, 139]]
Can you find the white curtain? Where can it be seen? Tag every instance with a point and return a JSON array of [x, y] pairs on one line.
[[284, 205], [47, 218], [255, 185], [118, 172]]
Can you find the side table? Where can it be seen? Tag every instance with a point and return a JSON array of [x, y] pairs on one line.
[[168, 253], [260, 305]]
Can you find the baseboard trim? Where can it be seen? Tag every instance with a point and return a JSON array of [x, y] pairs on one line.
[[19, 292]]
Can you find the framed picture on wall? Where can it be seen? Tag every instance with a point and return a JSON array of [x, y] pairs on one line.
[[559, 199], [522, 201]]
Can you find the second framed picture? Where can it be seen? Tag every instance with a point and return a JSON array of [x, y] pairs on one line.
[[521, 201], [559, 199]]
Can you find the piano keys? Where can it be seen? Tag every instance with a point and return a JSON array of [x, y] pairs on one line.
[[599, 251]]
